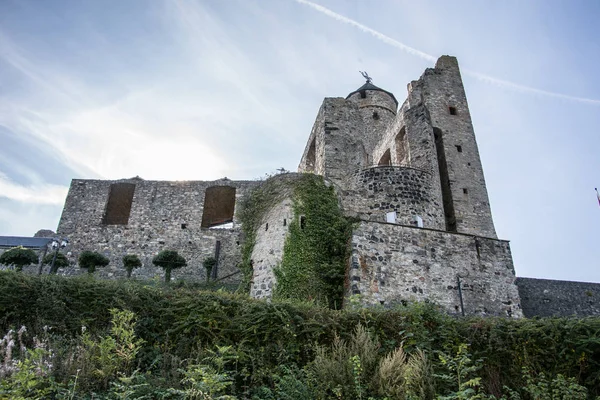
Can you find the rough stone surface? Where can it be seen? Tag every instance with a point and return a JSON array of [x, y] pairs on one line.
[[164, 215], [550, 298], [392, 263], [418, 160]]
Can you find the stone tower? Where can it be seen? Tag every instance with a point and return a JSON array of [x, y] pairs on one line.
[[413, 177]]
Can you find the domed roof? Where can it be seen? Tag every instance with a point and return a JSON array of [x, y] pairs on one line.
[[370, 86]]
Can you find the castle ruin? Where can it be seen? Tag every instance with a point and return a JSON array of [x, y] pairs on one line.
[[410, 174]]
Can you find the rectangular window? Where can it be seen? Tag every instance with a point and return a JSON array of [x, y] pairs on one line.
[[459, 148], [118, 206], [452, 110]]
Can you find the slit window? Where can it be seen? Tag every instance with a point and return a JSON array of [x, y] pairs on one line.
[[375, 115], [452, 110], [118, 206], [459, 148], [465, 191], [302, 222], [266, 227], [183, 226], [284, 222]]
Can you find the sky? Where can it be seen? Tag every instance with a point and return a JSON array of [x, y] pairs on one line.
[[203, 89]]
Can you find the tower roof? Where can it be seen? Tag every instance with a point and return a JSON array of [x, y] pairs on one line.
[[370, 86]]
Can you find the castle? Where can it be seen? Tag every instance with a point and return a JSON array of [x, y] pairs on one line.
[[410, 174]]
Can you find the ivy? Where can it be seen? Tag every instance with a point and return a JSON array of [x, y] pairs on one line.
[[316, 248]]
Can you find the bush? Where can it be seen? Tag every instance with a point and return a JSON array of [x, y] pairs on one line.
[[169, 260], [130, 262], [61, 261], [209, 264], [91, 259], [18, 257]]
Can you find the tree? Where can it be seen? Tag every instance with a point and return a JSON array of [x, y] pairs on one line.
[[61, 261], [169, 260], [130, 262], [91, 259], [209, 264], [19, 257]]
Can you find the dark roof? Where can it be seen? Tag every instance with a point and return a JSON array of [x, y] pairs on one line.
[[370, 86], [27, 242]]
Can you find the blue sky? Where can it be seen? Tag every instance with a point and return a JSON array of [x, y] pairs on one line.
[[184, 89]]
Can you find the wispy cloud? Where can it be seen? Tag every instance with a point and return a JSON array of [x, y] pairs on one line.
[[37, 194], [411, 50]]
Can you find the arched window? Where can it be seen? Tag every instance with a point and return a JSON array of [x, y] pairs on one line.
[[386, 158]]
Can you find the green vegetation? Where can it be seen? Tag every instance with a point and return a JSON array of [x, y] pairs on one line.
[[130, 262], [120, 339], [169, 260], [208, 265], [61, 261], [18, 257], [90, 260], [316, 247]]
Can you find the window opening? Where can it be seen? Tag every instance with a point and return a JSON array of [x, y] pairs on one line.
[[386, 158], [219, 205], [284, 222], [266, 227], [465, 191], [401, 148], [375, 115], [118, 206], [183, 226], [452, 110], [459, 148], [302, 222], [445, 181]]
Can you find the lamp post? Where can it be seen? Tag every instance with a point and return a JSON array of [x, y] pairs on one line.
[[57, 246]]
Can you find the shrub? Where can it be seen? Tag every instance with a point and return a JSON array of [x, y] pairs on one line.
[[169, 260], [130, 262], [209, 264], [61, 261], [91, 259], [18, 257]]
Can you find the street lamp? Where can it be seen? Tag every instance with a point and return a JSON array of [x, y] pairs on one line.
[[56, 245]]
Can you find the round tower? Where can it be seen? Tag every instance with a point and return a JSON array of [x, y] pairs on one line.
[[377, 108]]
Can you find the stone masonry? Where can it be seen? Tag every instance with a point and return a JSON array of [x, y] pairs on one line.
[[409, 173]]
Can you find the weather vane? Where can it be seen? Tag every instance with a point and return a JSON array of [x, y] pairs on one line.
[[366, 76]]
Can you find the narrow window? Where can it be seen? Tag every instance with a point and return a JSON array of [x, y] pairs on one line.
[[118, 206], [363, 94], [469, 164], [445, 181], [465, 191], [302, 222], [459, 148], [219, 205], [266, 227], [375, 115], [183, 226], [401, 148], [284, 222], [452, 110]]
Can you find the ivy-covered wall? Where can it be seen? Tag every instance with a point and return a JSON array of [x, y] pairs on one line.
[[296, 240]]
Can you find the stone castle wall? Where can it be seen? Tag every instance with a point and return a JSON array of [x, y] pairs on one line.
[[164, 215], [394, 263], [407, 191]]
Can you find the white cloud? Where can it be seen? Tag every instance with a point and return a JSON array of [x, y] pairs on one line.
[[37, 194]]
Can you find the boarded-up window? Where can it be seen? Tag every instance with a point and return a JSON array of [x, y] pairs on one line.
[[386, 158], [119, 202], [219, 205]]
